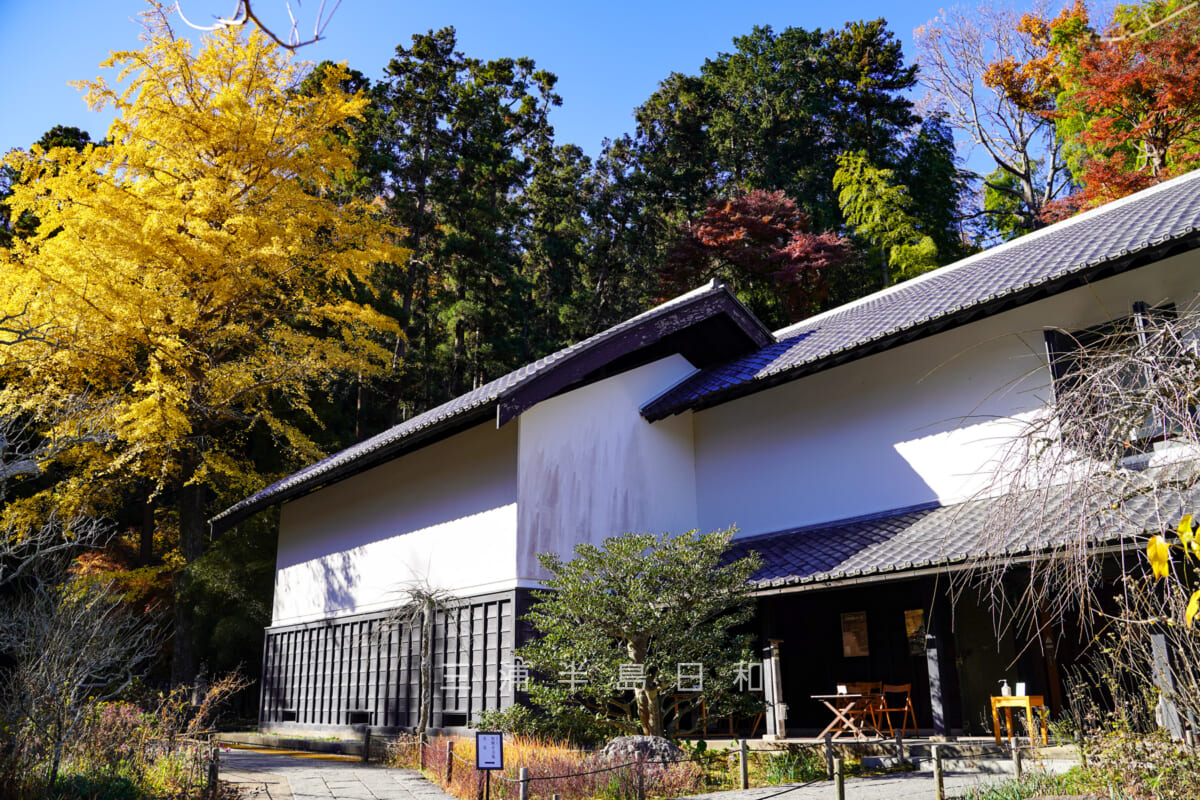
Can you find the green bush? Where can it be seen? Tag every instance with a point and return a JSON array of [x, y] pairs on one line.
[[793, 765], [1033, 785], [573, 725], [80, 786]]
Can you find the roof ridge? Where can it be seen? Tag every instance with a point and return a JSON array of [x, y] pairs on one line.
[[991, 252], [495, 391], [1134, 231]]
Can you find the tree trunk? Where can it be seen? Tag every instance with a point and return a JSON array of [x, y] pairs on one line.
[[426, 711], [52, 778], [146, 542], [649, 711], [192, 524]]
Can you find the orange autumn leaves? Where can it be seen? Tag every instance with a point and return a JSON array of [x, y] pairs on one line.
[[1124, 96]]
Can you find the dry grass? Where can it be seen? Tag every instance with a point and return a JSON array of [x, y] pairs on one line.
[[553, 769]]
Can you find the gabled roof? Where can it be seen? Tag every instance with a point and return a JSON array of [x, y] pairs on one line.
[[1123, 235], [706, 325], [737, 355]]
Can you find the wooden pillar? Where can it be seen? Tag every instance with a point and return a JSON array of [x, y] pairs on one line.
[[773, 691], [939, 658], [1164, 680], [1049, 643], [937, 689]]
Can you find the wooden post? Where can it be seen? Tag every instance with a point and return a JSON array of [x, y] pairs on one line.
[[1016, 758], [936, 698], [839, 779], [743, 764], [773, 691], [641, 778], [1164, 680], [900, 744], [213, 770], [944, 702], [449, 763], [829, 755], [366, 755], [939, 785], [523, 788]]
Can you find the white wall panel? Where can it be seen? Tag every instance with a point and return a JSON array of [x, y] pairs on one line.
[[924, 422], [592, 467], [445, 513]]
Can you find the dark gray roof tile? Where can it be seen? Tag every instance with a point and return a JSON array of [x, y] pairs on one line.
[[934, 535], [711, 299], [1052, 259]]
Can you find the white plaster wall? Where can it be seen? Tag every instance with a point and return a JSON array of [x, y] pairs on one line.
[[446, 514], [591, 467], [923, 422]]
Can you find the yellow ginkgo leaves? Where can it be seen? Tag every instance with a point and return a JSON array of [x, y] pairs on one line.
[[1159, 553], [1186, 537], [203, 285]]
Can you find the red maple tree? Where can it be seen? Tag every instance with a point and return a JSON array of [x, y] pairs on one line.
[[1140, 97], [760, 244]]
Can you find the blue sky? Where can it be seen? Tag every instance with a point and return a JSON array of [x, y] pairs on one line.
[[608, 56]]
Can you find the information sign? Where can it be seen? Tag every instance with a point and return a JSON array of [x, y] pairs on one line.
[[489, 750]]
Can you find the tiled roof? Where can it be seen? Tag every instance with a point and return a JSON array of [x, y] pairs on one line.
[[474, 404], [935, 536], [1151, 224]]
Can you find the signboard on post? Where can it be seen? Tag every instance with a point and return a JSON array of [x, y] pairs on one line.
[[489, 750]]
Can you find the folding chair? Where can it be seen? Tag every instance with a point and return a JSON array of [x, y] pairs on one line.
[[898, 698], [868, 711]]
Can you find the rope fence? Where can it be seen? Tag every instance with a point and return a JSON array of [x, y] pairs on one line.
[[630, 779]]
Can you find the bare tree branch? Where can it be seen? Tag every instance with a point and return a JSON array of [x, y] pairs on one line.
[[1112, 460], [72, 645], [1120, 37], [954, 53], [421, 603], [245, 13]]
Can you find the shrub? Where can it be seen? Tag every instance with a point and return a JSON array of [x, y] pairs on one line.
[[572, 725], [554, 768], [792, 765], [119, 750]]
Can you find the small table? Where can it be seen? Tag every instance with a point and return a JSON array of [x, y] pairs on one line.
[[845, 708], [1028, 702]]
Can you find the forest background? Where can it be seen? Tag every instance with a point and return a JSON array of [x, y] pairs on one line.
[[805, 168]]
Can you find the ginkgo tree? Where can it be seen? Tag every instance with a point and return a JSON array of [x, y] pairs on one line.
[[194, 279]]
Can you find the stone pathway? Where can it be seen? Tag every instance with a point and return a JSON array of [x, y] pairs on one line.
[[292, 775], [901, 786]]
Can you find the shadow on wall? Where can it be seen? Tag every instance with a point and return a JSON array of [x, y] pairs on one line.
[[320, 587], [339, 576], [471, 473]]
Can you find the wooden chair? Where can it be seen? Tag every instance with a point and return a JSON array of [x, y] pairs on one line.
[[893, 704], [870, 710]]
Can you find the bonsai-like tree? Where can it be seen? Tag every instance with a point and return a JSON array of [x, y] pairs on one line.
[[641, 634]]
